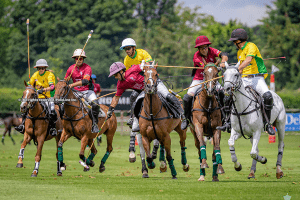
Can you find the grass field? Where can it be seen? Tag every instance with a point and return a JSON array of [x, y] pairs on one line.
[[123, 180]]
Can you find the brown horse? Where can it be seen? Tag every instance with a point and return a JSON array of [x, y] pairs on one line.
[[77, 123], [37, 126], [8, 123], [156, 123], [206, 116]]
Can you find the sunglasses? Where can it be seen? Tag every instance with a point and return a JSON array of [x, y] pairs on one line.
[[203, 48], [79, 59], [40, 68], [127, 48]]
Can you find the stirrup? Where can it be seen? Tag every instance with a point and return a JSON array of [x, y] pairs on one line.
[[130, 122], [20, 128], [53, 132], [95, 128], [269, 129]]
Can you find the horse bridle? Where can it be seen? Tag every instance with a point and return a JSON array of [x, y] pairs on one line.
[[35, 96], [152, 80], [235, 86]]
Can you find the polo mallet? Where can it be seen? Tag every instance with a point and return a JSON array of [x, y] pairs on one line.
[[27, 23], [90, 35], [177, 67]]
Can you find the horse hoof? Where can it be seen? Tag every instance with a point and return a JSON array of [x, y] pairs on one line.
[[204, 165], [201, 178], [92, 163], [34, 174], [238, 168], [59, 174], [279, 175], [86, 169], [251, 175], [174, 177], [101, 169], [215, 179], [132, 160], [151, 166], [220, 170], [163, 167], [145, 174], [19, 165], [186, 168], [264, 162]]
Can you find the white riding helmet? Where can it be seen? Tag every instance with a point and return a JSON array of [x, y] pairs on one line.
[[77, 53], [127, 42], [41, 63]]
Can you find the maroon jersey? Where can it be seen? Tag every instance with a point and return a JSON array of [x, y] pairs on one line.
[[198, 61], [133, 80], [82, 72]]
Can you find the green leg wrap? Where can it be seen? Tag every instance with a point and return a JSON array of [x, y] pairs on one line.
[[183, 156], [202, 171], [90, 158], [106, 155], [172, 167], [162, 153], [215, 166], [60, 154], [151, 165], [218, 156], [203, 152], [12, 139]]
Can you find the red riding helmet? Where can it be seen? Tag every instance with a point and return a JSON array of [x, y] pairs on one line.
[[201, 40]]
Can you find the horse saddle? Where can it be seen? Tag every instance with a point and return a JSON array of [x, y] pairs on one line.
[[139, 103]]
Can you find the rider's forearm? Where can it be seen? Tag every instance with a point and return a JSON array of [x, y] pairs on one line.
[[78, 83], [245, 63], [115, 101]]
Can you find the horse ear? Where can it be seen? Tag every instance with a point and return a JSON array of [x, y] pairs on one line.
[[237, 65], [156, 65], [58, 79], [226, 65], [34, 84], [67, 79], [26, 85]]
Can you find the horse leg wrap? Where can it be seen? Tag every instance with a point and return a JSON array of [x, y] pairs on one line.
[[253, 166], [233, 156], [36, 167], [203, 152], [218, 156], [12, 140], [215, 167], [21, 154], [106, 155], [58, 167], [144, 167], [90, 158], [60, 154], [183, 156], [279, 158], [132, 143], [171, 165], [202, 171], [162, 153], [82, 157], [150, 163]]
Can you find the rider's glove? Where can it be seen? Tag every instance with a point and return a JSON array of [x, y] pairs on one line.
[[40, 91], [110, 112]]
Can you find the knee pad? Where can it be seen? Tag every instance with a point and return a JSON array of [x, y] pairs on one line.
[[268, 100], [187, 98]]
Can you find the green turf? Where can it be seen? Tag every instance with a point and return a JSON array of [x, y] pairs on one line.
[[123, 180]]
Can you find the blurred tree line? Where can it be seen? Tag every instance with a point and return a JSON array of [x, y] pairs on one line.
[[163, 28]]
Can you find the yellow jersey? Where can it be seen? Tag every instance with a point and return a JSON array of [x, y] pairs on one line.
[[43, 80], [257, 65], [140, 54]]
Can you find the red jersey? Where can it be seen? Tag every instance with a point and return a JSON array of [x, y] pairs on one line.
[[133, 80], [198, 61], [96, 87], [82, 72]]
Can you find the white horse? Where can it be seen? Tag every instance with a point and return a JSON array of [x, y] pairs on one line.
[[246, 120]]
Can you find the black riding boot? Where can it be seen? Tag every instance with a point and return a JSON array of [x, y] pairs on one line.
[[227, 111], [187, 102], [53, 119], [175, 102], [268, 104], [133, 97], [21, 127], [95, 113]]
